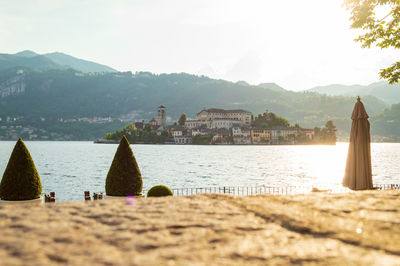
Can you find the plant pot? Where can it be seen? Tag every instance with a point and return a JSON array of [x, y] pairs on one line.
[[38, 201]]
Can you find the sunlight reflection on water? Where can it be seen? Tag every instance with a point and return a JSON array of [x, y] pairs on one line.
[[69, 168]]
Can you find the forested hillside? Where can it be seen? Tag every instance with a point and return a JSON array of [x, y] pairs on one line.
[[50, 87], [69, 93], [382, 90], [387, 123]]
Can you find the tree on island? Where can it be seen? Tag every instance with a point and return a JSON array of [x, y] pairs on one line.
[[182, 119], [383, 31], [269, 119], [330, 132], [326, 135], [129, 131]]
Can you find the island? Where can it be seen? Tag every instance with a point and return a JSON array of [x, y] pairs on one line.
[[216, 126]]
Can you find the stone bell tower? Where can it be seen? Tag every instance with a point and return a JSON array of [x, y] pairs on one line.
[[162, 116]]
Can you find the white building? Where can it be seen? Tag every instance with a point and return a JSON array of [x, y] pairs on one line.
[[224, 123], [240, 132], [183, 140], [201, 131], [210, 114], [178, 131], [219, 118], [196, 123], [241, 135]]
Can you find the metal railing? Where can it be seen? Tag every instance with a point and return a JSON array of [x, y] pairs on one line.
[[387, 186], [266, 190]]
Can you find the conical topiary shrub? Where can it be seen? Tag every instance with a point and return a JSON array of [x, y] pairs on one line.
[[124, 177], [21, 180]]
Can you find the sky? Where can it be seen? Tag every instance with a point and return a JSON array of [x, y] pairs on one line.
[[296, 44]]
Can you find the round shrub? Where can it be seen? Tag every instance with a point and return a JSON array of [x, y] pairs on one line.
[[124, 177], [21, 180], [159, 191]]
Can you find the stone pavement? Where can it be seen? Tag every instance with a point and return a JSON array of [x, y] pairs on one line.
[[361, 228]]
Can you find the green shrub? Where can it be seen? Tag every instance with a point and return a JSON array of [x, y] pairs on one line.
[[21, 180], [124, 177], [159, 191]]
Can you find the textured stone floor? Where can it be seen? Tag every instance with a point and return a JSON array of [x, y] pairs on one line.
[[360, 228]]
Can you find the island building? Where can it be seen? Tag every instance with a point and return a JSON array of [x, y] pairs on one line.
[[162, 116], [154, 122], [220, 118], [227, 127], [180, 134], [241, 135], [260, 135]]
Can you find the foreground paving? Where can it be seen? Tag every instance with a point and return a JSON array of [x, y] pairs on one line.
[[335, 229]]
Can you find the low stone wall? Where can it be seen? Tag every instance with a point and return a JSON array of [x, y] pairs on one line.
[[360, 228]]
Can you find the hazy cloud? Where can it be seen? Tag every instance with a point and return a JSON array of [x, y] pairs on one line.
[[297, 44]]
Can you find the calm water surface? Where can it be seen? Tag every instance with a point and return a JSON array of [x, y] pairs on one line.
[[69, 168]]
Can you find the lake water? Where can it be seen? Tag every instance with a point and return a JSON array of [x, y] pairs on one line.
[[70, 168]]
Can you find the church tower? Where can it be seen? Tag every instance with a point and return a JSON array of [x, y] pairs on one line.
[[162, 116]]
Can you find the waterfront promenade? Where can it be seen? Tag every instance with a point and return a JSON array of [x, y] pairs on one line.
[[360, 228]]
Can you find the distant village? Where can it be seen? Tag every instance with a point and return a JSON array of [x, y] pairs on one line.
[[220, 126]]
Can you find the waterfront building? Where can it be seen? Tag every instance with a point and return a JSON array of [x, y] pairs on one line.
[[202, 131], [153, 122], [308, 133], [241, 135], [140, 125], [260, 136], [180, 134], [183, 140], [177, 131], [222, 136], [278, 134]]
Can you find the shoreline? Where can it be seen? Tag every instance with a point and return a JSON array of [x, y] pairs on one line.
[[194, 144]]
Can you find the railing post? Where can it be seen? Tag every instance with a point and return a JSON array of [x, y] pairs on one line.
[[87, 195]]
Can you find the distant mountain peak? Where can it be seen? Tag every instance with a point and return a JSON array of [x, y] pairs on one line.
[[271, 86], [243, 83], [26, 53], [55, 60], [380, 89], [77, 63]]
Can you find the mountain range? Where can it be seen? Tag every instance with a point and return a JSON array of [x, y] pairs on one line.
[[381, 90], [48, 61], [58, 86]]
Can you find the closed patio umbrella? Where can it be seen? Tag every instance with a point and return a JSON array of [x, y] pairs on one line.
[[358, 173]]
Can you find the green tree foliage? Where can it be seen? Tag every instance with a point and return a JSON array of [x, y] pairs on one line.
[[159, 191], [269, 119], [182, 119], [201, 140], [326, 135], [70, 94], [129, 131], [387, 123], [124, 177], [147, 135], [381, 30], [21, 180], [330, 132]]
